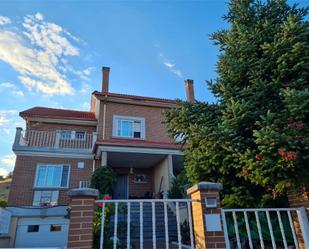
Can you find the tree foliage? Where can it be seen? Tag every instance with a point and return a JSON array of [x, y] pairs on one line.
[[254, 139]]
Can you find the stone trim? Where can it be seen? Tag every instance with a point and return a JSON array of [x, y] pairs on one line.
[[205, 186], [83, 192]]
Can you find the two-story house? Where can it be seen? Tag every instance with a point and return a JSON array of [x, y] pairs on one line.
[[60, 149]]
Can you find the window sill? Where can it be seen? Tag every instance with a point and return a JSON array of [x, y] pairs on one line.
[[129, 138], [50, 188]]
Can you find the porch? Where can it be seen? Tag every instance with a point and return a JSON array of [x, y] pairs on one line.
[[142, 173]]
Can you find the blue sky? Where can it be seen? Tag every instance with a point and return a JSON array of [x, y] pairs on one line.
[[51, 53]]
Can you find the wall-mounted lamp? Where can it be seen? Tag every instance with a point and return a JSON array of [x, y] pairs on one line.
[[131, 171]]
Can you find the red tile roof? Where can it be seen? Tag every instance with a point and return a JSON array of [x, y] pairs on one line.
[[44, 112], [139, 143], [135, 97]]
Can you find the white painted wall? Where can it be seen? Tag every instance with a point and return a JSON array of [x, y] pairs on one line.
[[165, 169]]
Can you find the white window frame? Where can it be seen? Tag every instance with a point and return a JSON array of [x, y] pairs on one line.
[[34, 203], [117, 118], [51, 165], [79, 139], [72, 134]]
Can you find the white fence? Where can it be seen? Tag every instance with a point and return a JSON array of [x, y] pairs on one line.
[[139, 212], [265, 228]]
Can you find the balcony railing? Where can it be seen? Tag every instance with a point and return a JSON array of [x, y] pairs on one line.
[[52, 139]]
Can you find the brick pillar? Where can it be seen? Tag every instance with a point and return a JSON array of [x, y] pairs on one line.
[[207, 221], [81, 218], [300, 199]]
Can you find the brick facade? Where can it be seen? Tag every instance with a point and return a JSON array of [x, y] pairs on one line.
[[22, 188], [155, 129], [40, 126], [100, 119]]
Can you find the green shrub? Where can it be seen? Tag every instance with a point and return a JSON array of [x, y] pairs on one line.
[[103, 179], [178, 189], [3, 203]]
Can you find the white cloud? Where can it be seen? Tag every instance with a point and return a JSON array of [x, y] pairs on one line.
[[19, 93], [36, 52], [3, 120], [86, 106], [170, 65], [8, 86], [85, 88], [39, 16], [4, 20], [88, 71], [6, 116], [4, 172], [8, 162]]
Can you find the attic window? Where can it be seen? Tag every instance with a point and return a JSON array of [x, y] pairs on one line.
[[129, 127]]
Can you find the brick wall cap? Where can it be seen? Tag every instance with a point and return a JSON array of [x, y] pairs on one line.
[[205, 186], [83, 192]]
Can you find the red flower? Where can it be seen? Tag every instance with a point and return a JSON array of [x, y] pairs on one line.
[[290, 120], [100, 204], [288, 184], [275, 194], [300, 125], [288, 156], [282, 152], [269, 189], [291, 156], [296, 125], [245, 171], [259, 156]]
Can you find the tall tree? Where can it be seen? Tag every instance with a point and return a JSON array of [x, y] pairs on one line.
[[255, 139]]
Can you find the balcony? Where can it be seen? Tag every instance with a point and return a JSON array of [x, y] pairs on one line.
[[52, 141]]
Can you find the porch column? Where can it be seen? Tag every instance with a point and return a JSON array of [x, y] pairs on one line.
[[170, 170], [207, 221], [104, 159]]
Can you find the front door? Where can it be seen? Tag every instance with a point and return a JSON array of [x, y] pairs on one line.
[[121, 188]]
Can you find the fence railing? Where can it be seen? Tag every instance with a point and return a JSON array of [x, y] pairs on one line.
[[53, 139], [147, 223], [265, 228]]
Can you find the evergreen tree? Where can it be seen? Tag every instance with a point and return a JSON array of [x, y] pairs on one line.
[[255, 139]]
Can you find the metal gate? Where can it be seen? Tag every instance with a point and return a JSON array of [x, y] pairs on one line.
[[266, 228], [157, 223]]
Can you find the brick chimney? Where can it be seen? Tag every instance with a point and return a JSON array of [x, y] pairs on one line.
[[189, 90], [105, 79]]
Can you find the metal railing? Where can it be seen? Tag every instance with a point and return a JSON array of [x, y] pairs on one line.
[[152, 206], [265, 228], [53, 139]]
